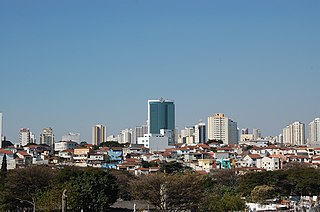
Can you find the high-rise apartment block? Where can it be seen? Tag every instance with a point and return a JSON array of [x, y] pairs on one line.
[[200, 133], [187, 135], [256, 133], [223, 129], [47, 137], [140, 131], [294, 134], [314, 131], [161, 115], [126, 136], [99, 134], [24, 136]]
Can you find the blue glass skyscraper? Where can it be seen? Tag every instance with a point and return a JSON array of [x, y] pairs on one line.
[[161, 115]]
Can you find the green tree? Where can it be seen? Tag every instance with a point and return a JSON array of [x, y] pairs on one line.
[[174, 192], [23, 185], [221, 203], [4, 167], [97, 189], [51, 199], [220, 192], [124, 179], [173, 167], [111, 144], [262, 192]]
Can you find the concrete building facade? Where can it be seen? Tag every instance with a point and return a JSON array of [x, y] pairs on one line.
[[99, 134], [223, 129], [294, 134]]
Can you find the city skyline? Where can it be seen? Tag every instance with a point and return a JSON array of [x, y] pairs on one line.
[[70, 65], [36, 136]]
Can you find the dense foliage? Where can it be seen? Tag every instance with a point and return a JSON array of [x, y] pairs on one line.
[[173, 189]]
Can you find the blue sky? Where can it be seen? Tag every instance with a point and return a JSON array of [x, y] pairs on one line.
[[71, 64]]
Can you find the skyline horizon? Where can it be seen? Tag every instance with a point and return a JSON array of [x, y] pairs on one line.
[[88, 135], [75, 63]]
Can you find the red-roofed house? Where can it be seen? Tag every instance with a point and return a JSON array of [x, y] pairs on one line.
[[25, 158], [11, 163], [249, 160]]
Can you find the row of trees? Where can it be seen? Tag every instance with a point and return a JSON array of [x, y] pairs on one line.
[[176, 188]]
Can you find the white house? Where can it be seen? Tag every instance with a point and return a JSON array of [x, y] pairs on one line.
[[64, 145], [249, 160], [269, 163], [155, 142]]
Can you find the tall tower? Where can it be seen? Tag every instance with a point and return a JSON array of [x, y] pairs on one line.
[[24, 136], [294, 134], [140, 131], [161, 115], [314, 131], [256, 133], [99, 134], [47, 137], [200, 133], [222, 128], [1, 136]]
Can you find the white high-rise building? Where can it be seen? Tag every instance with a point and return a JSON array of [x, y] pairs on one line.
[[126, 136], [1, 136], [256, 134], [187, 135], [32, 138], [47, 137], [24, 136], [294, 134], [140, 131], [99, 134], [200, 133], [314, 131], [223, 129]]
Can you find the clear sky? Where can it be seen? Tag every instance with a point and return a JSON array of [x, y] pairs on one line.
[[72, 64]]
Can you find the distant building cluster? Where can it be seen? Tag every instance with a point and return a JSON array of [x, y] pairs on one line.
[[219, 143]]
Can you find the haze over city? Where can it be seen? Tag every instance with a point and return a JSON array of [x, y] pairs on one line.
[[69, 65]]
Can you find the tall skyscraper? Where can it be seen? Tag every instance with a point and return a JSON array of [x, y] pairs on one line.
[[222, 128], [33, 138], [99, 134], [1, 136], [140, 131], [126, 136], [47, 137], [161, 115], [200, 133], [24, 136], [256, 133], [187, 135], [314, 131], [294, 134]]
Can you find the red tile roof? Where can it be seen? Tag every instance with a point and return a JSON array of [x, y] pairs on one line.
[[24, 153], [4, 151], [205, 146], [254, 156]]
